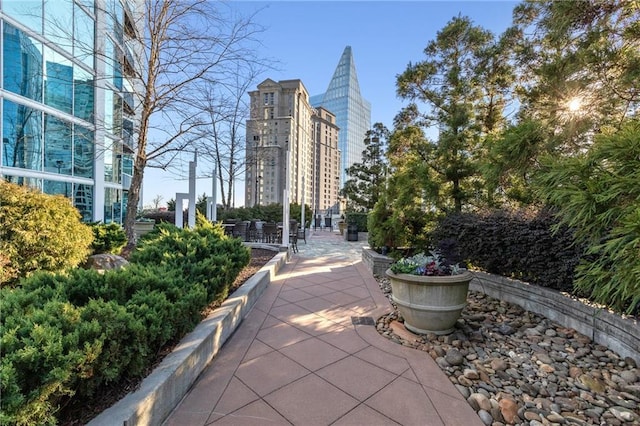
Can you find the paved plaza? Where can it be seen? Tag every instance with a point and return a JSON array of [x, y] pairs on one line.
[[309, 354]]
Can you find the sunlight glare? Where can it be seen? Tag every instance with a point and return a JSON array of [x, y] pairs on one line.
[[574, 104]]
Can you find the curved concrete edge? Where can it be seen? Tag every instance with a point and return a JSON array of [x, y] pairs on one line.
[[376, 262], [165, 387], [619, 333]]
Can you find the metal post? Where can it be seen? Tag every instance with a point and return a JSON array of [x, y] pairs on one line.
[[192, 191], [285, 203], [302, 209]]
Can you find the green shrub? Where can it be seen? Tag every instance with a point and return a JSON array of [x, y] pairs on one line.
[[41, 357], [204, 255], [108, 238], [519, 244], [597, 193], [38, 232], [65, 336]]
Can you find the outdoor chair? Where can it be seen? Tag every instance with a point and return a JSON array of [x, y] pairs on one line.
[[258, 230], [270, 233], [293, 236], [240, 230]]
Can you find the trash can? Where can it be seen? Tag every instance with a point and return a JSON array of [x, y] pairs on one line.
[[352, 232]]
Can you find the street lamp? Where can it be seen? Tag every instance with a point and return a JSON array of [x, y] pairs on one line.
[[258, 178], [233, 182]]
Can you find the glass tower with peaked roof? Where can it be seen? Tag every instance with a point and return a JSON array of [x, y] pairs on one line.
[[352, 111]]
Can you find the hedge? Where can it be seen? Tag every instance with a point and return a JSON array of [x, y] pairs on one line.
[[66, 336], [518, 244]]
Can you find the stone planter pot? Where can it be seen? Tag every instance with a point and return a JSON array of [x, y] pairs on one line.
[[430, 304]]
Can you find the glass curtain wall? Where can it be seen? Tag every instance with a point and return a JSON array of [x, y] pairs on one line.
[[48, 94]]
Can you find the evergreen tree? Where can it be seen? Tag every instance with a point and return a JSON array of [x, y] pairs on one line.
[[464, 83], [367, 178]]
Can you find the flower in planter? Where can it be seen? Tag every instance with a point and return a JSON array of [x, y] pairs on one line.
[[441, 262]]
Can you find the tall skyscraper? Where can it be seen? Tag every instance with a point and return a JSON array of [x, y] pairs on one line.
[[68, 112], [279, 125], [326, 171], [282, 122], [352, 111]]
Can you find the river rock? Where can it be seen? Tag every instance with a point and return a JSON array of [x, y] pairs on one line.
[[454, 357], [479, 402], [486, 418], [509, 410]]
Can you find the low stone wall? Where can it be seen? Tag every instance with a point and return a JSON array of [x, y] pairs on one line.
[[375, 262], [618, 333]]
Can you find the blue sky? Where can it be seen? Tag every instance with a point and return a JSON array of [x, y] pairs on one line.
[[306, 39]]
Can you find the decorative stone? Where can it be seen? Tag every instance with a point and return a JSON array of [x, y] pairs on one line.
[[471, 374], [498, 364], [509, 410], [624, 414], [593, 384], [479, 402], [485, 417], [628, 376], [555, 418], [105, 261], [464, 390], [454, 357]]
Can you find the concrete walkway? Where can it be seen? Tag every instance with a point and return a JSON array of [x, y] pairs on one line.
[[309, 354]]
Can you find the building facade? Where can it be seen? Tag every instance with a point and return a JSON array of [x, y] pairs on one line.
[[290, 145], [326, 181], [66, 100], [352, 111], [279, 145]]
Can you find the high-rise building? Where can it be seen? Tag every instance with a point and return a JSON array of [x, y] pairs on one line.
[[283, 123], [352, 111], [279, 145], [326, 181], [68, 113]]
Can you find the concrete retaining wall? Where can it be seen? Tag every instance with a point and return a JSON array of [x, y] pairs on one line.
[[163, 389], [375, 262], [619, 333]]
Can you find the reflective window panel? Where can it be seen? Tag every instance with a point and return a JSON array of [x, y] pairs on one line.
[[22, 64], [28, 12], [58, 81], [21, 136], [83, 147], [57, 145]]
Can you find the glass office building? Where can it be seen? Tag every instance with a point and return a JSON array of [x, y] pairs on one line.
[[352, 111], [66, 100]]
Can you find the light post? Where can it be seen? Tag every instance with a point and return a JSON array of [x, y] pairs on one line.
[[233, 183], [258, 178]]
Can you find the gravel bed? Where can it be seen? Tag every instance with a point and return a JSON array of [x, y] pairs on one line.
[[518, 368]]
